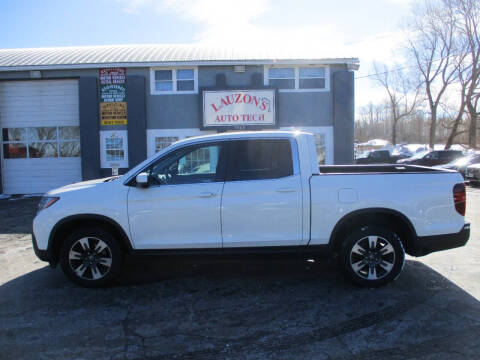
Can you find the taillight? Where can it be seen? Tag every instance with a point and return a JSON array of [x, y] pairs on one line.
[[460, 198]]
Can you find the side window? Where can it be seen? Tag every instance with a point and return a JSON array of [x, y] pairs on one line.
[[261, 159], [195, 164]]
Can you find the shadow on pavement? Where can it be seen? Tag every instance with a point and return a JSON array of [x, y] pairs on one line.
[[238, 310], [16, 214]]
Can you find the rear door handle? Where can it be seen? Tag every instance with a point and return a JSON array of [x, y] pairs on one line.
[[285, 190], [206, 194]]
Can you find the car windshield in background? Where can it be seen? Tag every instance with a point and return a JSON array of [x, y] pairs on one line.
[[419, 155]]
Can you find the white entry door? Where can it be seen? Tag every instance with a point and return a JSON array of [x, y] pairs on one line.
[[40, 135]]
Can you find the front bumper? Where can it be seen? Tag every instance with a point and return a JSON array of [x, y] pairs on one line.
[[44, 255], [428, 244]]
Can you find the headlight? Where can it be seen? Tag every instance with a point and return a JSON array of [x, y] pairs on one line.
[[46, 201]]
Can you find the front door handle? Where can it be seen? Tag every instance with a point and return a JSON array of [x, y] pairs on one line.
[[285, 190], [206, 194]]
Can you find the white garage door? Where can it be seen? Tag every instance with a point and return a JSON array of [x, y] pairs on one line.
[[40, 135]]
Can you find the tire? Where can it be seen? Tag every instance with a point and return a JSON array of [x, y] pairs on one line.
[[91, 257], [372, 256]]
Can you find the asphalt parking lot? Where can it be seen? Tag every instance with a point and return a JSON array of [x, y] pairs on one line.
[[237, 310]]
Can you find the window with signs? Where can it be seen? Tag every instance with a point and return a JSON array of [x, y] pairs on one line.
[[320, 147], [161, 142], [114, 148], [297, 78], [41, 142], [168, 81]]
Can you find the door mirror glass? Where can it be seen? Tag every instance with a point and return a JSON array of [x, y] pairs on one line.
[[142, 179]]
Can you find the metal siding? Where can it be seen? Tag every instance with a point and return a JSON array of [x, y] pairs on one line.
[[305, 109], [344, 112], [153, 53], [137, 122], [89, 128]]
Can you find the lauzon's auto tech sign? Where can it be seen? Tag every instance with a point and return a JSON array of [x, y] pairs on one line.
[[238, 108]]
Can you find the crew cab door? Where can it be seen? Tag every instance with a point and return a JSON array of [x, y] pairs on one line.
[[181, 206], [262, 196]]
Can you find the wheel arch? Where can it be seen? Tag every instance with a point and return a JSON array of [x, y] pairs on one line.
[[375, 216], [69, 223]]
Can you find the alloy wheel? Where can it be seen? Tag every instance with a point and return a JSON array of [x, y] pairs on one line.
[[372, 257], [90, 258]]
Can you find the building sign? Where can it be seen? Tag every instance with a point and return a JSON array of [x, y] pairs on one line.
[[113, 103], [238, 108]]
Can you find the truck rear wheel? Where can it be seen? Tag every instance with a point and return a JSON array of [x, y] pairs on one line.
[[91, 257], [372, 256]]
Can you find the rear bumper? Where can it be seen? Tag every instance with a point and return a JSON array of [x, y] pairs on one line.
[[428, 244], [44, 255]]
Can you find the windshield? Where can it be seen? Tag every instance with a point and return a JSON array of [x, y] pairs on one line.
[[464, 160], [419, 155]]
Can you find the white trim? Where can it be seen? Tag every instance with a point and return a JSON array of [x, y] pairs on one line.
[[320, 130], [180, 133], [351, 62], [154, 91], [297, 77]]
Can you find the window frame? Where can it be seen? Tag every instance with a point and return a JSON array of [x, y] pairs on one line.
[[266, 78], [174, 91], [232, 161], [221, 165], [57, 141]]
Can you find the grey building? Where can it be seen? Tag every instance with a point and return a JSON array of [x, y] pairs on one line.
[[75, 113]]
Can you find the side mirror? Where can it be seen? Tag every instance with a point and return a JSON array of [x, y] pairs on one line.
[[142, 179]]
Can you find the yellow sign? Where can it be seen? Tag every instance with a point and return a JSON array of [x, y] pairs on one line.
[[113, 113]]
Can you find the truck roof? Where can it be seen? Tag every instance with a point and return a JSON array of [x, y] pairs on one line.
[[246, 134]]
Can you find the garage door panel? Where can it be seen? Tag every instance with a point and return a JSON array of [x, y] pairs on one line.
[[45, 103], [39, 175], [39, 103]]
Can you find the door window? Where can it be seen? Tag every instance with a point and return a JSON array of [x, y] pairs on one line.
[[195, 164], [261, 159]]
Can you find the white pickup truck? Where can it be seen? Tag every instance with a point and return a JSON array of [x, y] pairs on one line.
[[252, 193]]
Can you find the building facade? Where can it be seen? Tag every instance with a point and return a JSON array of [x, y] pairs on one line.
[[72, 114]]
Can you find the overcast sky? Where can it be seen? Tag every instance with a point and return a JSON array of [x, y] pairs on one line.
[[367, 29]]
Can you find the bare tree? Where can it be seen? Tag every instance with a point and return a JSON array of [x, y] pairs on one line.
[[434, 48], [468, 14], [403, 94]]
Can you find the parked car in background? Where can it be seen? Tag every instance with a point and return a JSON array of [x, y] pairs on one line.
[[462, 163], [432, 158], [379, 157], [472, 174]]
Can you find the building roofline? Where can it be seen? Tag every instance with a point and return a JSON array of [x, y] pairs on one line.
[[352, 63], [150, 55]]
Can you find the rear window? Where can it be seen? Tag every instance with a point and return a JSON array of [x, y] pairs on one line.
[[449, 154], [261, 159]]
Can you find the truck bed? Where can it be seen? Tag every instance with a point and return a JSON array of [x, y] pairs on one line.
[[378, 169]]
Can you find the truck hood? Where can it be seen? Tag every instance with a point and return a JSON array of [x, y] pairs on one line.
[[82, 185]]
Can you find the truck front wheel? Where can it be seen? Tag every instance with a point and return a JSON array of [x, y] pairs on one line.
[[91, 257], [372, 256]]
